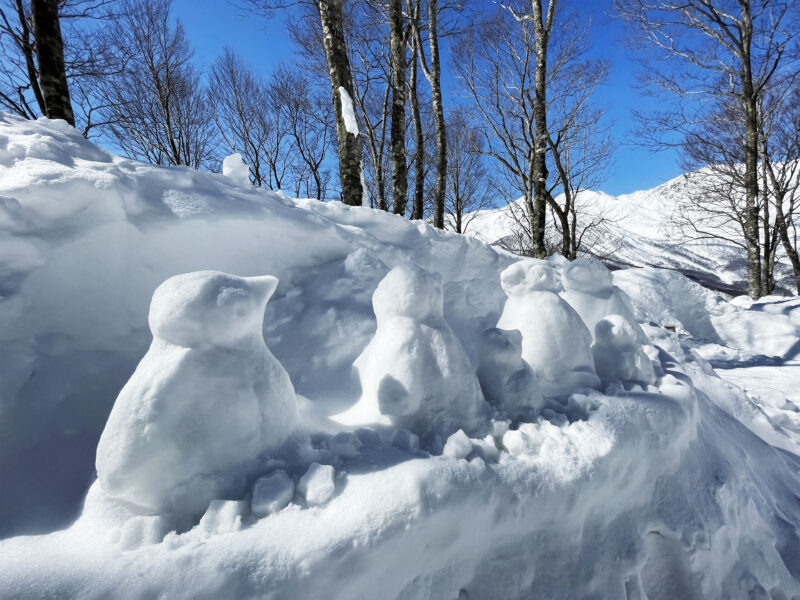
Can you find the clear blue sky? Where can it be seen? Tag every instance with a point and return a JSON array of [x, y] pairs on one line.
[[213, 24]]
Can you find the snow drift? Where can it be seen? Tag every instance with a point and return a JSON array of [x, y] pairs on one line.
[[521, 480]]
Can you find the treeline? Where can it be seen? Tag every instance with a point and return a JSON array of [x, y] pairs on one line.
[[520, 122]]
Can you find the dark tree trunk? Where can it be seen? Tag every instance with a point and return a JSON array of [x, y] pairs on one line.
[[331, 18], [750, 162], [398, 141], [542, 25], [50, 54], [435, 79]]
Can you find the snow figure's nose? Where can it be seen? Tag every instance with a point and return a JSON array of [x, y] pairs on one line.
[[263, 286]]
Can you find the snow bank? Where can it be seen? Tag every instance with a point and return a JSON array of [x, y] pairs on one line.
[[681, 488]]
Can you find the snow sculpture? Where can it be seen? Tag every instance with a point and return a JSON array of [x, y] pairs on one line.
[[233, 166], [589, 289], [618, 352], [207, 398], [507, 381], [555, 341], [414, 372]]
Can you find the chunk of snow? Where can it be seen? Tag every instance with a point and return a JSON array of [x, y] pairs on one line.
[[344, 445], [555, 341], [233, 166], [207, 398], [403, 439], [223, 516], [348, 112], [317, 485], [271, 493], [142, 531], [457, 446]]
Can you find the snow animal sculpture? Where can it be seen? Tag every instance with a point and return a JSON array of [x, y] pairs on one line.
[[618, 353], [555, 341], [507, 381], [414, 373], [589, 289], [206, 399]]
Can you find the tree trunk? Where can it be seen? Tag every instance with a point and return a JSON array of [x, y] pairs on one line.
[[50, 54], [438, 117], [791, 251], [418, 206], [542, 30], [750, 162], [398, 141], [331, 18]]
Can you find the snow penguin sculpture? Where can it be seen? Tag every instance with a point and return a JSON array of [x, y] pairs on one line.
[[589, 289], [206, 399], [555, 342], [414, 372], [618, 352]]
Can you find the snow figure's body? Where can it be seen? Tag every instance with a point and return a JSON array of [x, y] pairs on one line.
[[414, 372], [555, 342], [618, 353], [507, 381], [589, 289], [206, 399]]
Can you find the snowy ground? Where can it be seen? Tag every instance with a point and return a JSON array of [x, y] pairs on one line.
[[419, 416]]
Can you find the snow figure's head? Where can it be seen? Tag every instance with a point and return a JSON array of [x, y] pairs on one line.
[[409, 290], [614, 331], [587, 275], [529, 275], [504, 345], [209, 308]]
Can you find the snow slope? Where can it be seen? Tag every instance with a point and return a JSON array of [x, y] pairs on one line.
[[638, 230], [685, 488]]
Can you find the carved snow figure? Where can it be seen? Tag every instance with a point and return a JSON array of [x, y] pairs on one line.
[[589, 289], [555, 341], [507, 381], [206, 399], [618, 352], [414, 372]]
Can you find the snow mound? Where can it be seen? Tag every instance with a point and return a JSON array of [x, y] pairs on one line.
[[684, 487]]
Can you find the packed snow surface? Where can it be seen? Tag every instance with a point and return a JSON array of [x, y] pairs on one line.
[[502, 447]]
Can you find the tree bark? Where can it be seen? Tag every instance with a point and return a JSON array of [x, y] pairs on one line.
[[50, 55], [418, 205], [331, 18], [398, 141], [542, 25]]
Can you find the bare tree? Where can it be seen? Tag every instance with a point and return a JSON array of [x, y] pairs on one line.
[[87, 58], [716, 51], [310, 127], [434, 76], [398, 43], [158, 109], [249, 121], [467, 190]]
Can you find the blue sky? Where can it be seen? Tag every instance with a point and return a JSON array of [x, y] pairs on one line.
[[213, 24]]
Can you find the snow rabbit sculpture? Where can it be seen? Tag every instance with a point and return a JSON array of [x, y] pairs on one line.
[[555, 341], [414, 372], [207, 398]]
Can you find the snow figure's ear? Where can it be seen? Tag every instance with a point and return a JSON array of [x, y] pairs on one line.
[[527, 276], [263, 286]]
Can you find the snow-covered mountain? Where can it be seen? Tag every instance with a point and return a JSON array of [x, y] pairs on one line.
[[639, 230], [371, 434]]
